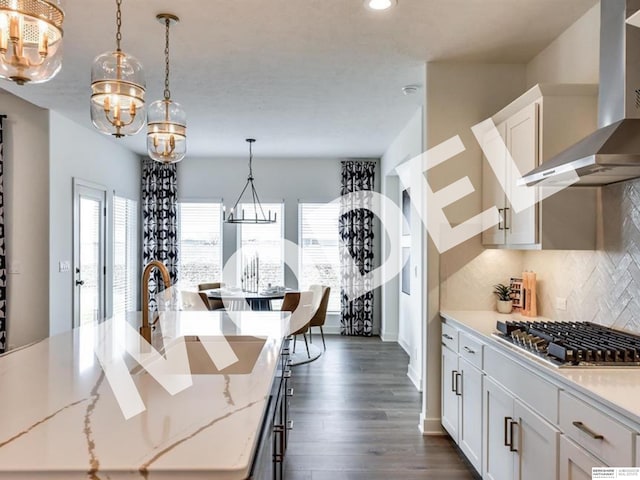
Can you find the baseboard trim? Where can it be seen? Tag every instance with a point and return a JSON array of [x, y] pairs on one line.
[[405, 346], [414, 377], [392, 337], [430, 426], [328, 330]]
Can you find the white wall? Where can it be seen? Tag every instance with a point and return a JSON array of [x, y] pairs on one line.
[[402, 313], [458, 96], [26, 198], [80, 152], [290, 180], [573, 57]]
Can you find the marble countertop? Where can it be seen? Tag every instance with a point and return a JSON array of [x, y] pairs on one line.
[[617, 388], [60, 418]]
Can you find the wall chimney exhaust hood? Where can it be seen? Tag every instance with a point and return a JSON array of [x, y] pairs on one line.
[[612, 153]]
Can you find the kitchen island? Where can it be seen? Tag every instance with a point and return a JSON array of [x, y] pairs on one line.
[[60, 418]]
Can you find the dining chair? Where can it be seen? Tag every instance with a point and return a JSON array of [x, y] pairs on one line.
[[321, 301], [213, 304], [300, 304]]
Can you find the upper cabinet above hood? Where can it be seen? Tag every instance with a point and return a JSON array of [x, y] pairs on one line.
[[612, 153]]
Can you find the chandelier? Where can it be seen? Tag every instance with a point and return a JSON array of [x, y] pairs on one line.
[[30, 40], [117, 90], [166, 120], [256, 213]]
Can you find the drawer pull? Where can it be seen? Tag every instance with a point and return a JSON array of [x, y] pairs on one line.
[[290, 425], [290, 392], [507, 430], [469, 350], [458, 384], [583, 428], [287, 374], [447, 336], [511, 447]]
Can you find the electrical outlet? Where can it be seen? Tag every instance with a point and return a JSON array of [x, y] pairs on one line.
[[561, 303], [64, 266]]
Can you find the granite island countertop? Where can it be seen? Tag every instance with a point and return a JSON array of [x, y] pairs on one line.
[[616, 388], [60, 419]]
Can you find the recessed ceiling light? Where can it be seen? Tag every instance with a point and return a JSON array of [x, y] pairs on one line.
[[380, 4]]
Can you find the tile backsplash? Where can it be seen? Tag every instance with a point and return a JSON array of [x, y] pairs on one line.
[[601, 286]]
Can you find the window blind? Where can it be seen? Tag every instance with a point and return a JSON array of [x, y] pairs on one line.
[[267, 241], [125, 225], [200, 242], [319, 248]]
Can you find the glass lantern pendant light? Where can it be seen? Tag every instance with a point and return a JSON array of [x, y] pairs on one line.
[[30, 40], [117, 90], [166, 120], [256, 212]]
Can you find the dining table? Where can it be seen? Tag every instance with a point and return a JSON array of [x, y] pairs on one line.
[[237, 299]]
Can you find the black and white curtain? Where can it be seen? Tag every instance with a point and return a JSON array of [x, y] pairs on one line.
[[3, 267], [356, 249], [159, 221]]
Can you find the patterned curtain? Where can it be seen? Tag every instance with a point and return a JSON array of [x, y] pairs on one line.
[[3, 270], [356, 235], [159, 221]]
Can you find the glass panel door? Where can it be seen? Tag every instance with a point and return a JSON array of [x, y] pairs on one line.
[[89, 254]]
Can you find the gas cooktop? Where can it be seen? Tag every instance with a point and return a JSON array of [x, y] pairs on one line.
[[573, 344]]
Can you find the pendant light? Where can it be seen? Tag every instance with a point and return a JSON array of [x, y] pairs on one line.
[[117, 90], [256, 212], [30, 40], [166, 120]]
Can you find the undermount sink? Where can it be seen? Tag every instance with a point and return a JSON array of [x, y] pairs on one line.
[[247, 350]]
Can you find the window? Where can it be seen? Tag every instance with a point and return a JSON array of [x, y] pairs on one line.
[[125, 259], [200, 243], [265, 242], [319, 248]]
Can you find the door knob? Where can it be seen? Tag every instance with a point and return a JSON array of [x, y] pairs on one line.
[[79, 282]]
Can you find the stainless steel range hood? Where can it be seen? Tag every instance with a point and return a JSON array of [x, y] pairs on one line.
[[612, 153]]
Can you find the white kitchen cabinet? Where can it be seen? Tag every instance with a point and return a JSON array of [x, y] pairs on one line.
[[536, 439], [520, 135], [575, 462], [517, 439], [497, 418], [450, 408], [461, 389], [541, 123], [470, 424]]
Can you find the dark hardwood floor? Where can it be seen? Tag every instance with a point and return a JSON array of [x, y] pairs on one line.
[[356, 416]]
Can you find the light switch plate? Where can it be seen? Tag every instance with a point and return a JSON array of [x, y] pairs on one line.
[[561, 303], [64, 266]]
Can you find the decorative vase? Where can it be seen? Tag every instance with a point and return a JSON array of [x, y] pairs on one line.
[[505, 306]]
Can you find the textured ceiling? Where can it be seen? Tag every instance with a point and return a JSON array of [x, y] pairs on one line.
[[312, 78]]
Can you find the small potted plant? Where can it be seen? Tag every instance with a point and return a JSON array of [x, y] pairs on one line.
[[504, 303]]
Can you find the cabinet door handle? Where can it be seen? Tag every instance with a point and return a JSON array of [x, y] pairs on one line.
[[500, 218], [506, 227], [507, 430], [511, 447], [454, 381], [469, 350], [458, 384], [446, 336], [583, 428]]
